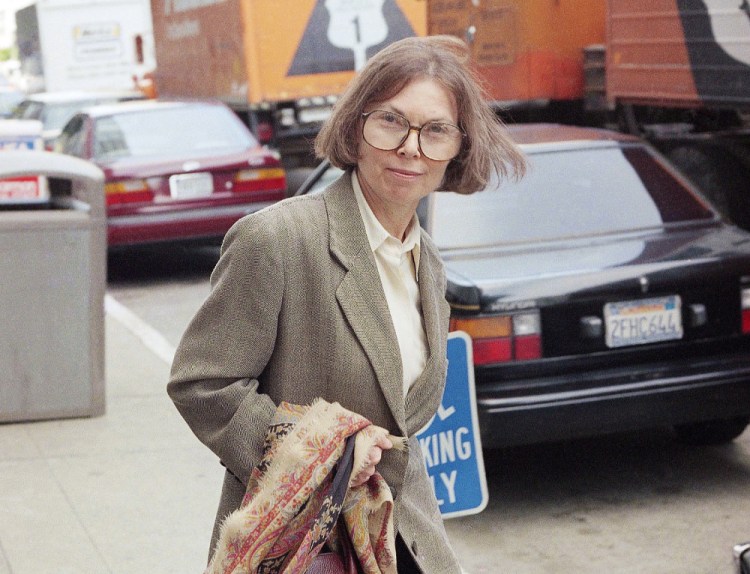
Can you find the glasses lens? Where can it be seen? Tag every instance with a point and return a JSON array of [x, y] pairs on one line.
[[440, 142], [385, 130]]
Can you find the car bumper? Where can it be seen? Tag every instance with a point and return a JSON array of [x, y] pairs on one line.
[[620, 402], [185, 224]]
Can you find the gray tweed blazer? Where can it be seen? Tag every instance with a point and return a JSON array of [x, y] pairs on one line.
[[296, 312]]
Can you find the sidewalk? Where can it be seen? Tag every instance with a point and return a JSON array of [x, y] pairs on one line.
[[130, 492]]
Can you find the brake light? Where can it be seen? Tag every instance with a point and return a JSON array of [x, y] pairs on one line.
[[263, 179], [495, 350], [745, 305], [127, 191], [264, 131], [502, 338]]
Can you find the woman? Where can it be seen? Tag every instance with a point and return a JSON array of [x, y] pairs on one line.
[[340, 295]]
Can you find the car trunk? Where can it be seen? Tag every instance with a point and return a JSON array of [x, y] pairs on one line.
[[573, 283]]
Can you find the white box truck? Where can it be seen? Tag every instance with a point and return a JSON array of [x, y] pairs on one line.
[[85, 44]]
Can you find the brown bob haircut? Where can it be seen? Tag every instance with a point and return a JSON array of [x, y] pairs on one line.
[[487, 146]]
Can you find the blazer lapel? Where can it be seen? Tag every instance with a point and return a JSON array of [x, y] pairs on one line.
[[422, 400], [361, 295], [434, 305]]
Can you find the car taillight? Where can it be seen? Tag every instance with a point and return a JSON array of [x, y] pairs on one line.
[[127, 191], [264, 131], [745, 306], [502, 338], [262, 179]]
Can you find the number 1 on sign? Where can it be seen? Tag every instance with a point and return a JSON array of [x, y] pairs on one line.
[[356, 25]]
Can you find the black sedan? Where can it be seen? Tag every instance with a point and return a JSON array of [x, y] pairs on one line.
[[602, 293]]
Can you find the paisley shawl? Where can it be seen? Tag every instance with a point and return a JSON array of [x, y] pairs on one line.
[[293, 502]]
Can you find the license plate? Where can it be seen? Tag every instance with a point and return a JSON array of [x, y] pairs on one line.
[[312, 115], [191, 185], [643, 321], [24, 189]]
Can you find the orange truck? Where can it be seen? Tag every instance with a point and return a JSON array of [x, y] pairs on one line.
[[678, 72], [278, 63], [674, 71], [281, 63], [528, 52]]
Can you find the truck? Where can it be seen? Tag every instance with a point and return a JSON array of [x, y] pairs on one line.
[[528, 53], [84, 44], [279, 64], [676, 72]]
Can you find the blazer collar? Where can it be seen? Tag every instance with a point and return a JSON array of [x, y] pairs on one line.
[[422, 401], [360, 293]]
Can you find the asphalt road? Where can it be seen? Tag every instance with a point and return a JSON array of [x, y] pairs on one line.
[[636, 502]]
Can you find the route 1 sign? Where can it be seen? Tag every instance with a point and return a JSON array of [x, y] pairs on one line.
[[450, 442]]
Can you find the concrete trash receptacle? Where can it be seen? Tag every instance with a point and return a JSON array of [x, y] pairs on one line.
[[53, 259]]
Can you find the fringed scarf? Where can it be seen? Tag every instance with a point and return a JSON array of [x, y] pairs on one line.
[[292, 503]]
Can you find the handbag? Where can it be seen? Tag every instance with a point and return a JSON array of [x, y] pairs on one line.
[[330, 562]]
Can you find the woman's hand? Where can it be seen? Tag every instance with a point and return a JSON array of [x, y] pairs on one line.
[[372, 457]]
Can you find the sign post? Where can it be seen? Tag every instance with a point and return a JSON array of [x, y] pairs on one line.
[[450, 442]]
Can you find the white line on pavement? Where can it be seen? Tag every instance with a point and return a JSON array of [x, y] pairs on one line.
[[150, 337]]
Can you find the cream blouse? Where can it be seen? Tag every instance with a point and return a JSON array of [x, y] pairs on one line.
[[397, 265]]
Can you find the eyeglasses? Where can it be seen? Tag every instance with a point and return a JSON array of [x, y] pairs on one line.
[[387, 131]]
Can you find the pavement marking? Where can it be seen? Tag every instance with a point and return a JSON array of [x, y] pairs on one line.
[[150, 337]]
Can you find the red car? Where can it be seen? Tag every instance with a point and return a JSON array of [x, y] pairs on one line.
[[174, 170]]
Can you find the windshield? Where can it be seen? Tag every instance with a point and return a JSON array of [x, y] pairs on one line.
[[566, 194], [28, 110], [163, 132]]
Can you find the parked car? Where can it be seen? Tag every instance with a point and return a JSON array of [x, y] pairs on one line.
[[173, 170], [54, 109], [602, 293]]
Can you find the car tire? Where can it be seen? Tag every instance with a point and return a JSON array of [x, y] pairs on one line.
[[713, 432]]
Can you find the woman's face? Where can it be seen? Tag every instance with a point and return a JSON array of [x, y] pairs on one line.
[[396, 180]]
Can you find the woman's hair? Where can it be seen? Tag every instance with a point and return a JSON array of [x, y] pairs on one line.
[[487, 146]]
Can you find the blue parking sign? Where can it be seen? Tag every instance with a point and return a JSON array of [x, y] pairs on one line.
[[450, 442]]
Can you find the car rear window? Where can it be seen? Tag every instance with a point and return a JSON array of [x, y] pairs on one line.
[[166, 131], [28, 110], [55, 116], [568, 193]]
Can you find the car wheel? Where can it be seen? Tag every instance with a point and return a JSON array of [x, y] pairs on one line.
[[714, 432]]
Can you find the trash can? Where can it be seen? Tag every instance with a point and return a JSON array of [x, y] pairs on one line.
[[21, 135], [52, 282]]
